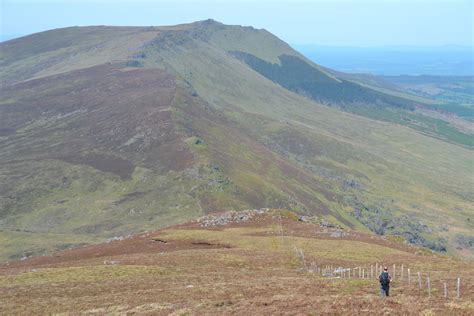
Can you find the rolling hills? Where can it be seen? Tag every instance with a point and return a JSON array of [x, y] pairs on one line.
[[110, 131]]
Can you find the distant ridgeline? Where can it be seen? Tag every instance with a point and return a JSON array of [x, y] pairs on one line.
[[299, 76]]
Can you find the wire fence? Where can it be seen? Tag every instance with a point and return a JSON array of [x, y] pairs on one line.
[[431, 282], [434, 282]]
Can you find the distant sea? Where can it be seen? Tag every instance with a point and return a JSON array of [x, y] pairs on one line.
[[447, 60]]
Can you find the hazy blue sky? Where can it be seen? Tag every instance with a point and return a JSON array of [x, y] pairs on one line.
[[326, 22]]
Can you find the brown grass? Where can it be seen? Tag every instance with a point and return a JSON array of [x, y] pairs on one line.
[[237, 269]]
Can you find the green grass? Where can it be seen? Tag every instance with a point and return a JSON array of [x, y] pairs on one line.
[[243, 238], [430, 126]]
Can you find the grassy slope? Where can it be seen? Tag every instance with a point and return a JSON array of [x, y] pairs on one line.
[[249, 267], [259, 145], [299, 76], [407, 172]]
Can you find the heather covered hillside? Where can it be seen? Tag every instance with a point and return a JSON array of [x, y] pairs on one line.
[[110, 131]]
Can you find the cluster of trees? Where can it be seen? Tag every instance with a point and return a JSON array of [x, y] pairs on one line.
[[299, 76]]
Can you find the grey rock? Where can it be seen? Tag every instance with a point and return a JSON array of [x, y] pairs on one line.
[[134, 63], [222, 219]]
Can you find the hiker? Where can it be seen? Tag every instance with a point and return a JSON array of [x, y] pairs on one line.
[[384, 279]]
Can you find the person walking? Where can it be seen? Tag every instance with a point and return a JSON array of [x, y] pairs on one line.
[[385, 278]]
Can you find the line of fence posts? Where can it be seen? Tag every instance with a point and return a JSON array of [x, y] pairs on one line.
[[363, 273], [378, 270]]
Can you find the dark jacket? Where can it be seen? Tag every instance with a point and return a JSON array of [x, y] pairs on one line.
[[385, 280]]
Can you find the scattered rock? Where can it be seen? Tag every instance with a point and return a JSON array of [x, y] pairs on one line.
[[325, 223], [465, 241], [113, 262], [338, 234], [139, 55], [225, 218], [115, 238], [134, 63], [306, 218], [351, 184]]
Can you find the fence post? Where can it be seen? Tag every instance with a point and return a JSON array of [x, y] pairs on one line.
[[429, 286], [303, 259], [409, 277], [419, 280], [401, 275], [458, 288], [393, 274], [371, 271], [445, 290], [376, 268]]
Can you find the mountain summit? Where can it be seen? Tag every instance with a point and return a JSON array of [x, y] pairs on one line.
[[107, 131]]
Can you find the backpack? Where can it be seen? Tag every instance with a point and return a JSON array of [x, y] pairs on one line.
[[384, 279]]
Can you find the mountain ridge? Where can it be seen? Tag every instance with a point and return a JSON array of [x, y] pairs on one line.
[[132, 129]]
